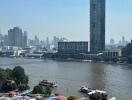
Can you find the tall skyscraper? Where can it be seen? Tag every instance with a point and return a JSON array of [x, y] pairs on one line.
[[97, 25]]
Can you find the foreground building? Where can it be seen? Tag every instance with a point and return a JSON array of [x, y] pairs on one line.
[[97, 25]]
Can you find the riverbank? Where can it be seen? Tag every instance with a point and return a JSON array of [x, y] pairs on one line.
[[90, 61], [74, 60]]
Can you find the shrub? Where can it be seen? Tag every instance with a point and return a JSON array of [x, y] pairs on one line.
[[23, 87], [38, 90], [72, 98]]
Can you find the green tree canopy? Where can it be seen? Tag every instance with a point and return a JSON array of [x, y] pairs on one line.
[[3, 77], [10, 87], [38, 89], [19, 75], [9, 74]]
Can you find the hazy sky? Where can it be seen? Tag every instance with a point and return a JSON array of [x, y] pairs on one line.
[[68, 18]]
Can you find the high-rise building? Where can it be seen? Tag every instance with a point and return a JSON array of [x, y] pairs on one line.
[[112, 41], [97, 25], [6, 40], [25, 38], [1, 40], [123, 41], [47, 41], [16, 37], [36, 40]]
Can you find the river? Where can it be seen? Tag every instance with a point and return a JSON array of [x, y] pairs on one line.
[[115, 79]]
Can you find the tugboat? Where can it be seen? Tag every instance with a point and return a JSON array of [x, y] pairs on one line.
[[47, 83]]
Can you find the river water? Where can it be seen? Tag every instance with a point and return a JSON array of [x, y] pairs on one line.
[[115, 79]]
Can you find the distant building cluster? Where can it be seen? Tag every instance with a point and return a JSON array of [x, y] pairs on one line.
[[17, 43], [16, 37], [46, 42], [113, 45], [122, 42]]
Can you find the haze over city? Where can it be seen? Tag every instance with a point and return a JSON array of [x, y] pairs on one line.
[[68, 18]]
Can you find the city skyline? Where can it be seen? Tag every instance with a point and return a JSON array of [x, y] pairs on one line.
[[64, 18]]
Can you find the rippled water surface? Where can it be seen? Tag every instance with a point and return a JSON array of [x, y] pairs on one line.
[[116, 79]]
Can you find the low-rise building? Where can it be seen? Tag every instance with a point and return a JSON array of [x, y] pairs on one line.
[[72, 49], [112, 54]]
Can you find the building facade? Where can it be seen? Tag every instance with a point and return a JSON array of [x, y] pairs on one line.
[[25, 39], [72, 49], [17, 38], [112, 54], [97, 25]]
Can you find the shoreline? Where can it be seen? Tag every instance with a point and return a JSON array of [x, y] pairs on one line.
[[89, 61], [74, 60]]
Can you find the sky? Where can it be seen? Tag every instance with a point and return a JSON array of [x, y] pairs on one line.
[[64, 18]]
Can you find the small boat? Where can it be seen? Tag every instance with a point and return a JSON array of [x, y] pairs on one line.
[[97, 91], [85, 89], [113, 98], [102, 94], [47, 83]]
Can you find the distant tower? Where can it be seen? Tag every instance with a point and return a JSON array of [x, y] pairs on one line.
[[25, 39], [15, 37], [97, 25], [112, 41], [47, 41], [123, 41]]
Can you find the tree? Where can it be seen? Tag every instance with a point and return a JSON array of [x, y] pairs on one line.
[[10, 87], [9, 74], [19, 75], [3, 77], [38, 89], [95, 96], [11, 79]]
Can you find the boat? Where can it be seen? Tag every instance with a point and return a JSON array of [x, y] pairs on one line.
[[87, 61], [47, 83], [85, 89], [113, 98], [103, 94], [97, 91]]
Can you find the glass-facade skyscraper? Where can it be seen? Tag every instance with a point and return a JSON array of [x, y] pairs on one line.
[[97, 25]]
